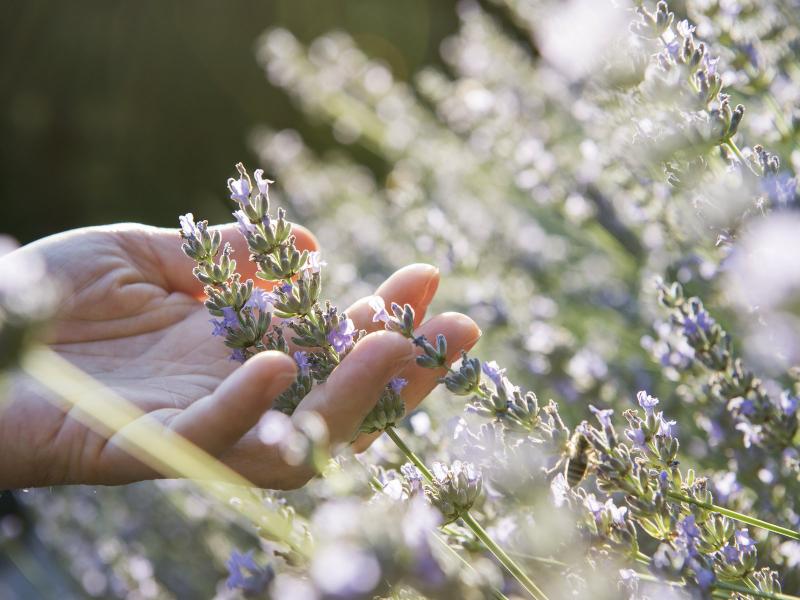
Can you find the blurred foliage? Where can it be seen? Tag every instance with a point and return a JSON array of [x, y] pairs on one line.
[[117, 111]]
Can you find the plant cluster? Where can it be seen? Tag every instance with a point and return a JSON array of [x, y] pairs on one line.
[[594, 183]]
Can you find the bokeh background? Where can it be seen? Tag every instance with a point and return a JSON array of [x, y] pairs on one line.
[[527, 159], [117, 111]]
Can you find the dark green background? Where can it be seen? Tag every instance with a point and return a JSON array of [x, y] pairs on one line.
[[136, 111]]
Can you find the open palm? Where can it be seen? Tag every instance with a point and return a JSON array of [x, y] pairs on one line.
[[134, 320]]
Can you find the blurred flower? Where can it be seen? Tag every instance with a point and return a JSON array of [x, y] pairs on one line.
[[245, 575]]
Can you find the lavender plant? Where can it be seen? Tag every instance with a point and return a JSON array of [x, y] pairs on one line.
[[562, 159], [699, 545]]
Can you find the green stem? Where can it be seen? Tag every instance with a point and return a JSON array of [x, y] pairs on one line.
[[497, 593], [504, 558], [735, 149], [736, 516], [409, 453], [732, 587], [470, 521]]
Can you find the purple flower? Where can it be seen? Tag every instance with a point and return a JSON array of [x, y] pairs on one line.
[[397, 384], [688, 535], [238, 355], [731, 554], [261, 300], [751, 52], [413, 476], [646, 401], [230, 318], [314, 262], [617, 513], [687, 527], [603, 415], [705, 577], [240, 190], [684, 29], [245, 575], [743, 539], [593, 505], [341, 338], [741, 406], [788, 403], [189, 230], [378, 306], [710, 63], [699, 321], [752, 433], [673, 48], [219, 327], [285, 288], [261, 182], [301, 358], [665, 426], [494, 372], [636, 436], [245, 226]]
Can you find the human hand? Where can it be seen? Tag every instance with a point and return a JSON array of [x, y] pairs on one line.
[[134, 320]]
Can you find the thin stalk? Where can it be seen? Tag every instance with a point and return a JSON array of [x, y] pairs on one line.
[[497, 593], [735, 149], [378, 486], [470, 521], [737, 516], [409, 453], [105, 412], [504, 558]]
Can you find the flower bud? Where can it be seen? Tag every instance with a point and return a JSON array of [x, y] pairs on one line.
[[454, 489]]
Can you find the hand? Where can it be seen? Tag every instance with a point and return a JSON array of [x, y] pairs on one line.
[[135, 321]]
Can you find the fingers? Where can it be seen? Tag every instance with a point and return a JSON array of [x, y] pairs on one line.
[[415, 285], [214, 423], [462, 334], [355, 385], [217, 422], [174, 269]]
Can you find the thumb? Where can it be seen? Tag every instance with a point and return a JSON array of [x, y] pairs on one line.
[[217, 422]]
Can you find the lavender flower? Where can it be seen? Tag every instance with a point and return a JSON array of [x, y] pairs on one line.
[[219, 328], [314, 262], [246, 228], [240, 189], [646, 401], [603, 415], [494, 372], [245, 575], [788, 403], [341, 338], [189, 230], [261, 300], [238, 355], [303, 363], [397, 384], [261, 182], [378, 307], [229, 317]]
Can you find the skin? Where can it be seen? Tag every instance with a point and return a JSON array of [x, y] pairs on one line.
[[133, 319]]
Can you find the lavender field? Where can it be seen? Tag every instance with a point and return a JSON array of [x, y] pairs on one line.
[[528, 327]]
